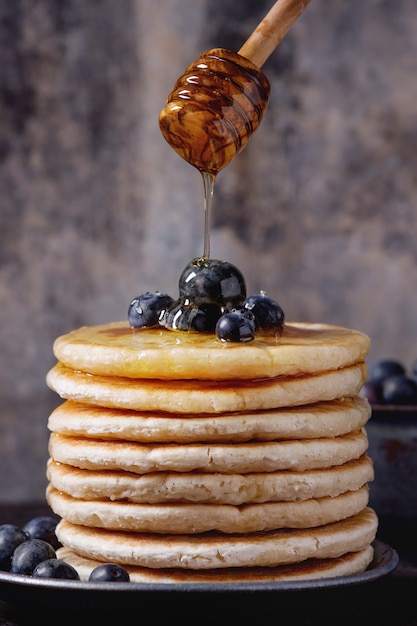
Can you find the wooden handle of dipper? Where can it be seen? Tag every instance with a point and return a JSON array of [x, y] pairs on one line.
[[270, 32]]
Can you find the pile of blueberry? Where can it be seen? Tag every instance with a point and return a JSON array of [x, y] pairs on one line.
[[389, 383], [31, 550], [212, 298]]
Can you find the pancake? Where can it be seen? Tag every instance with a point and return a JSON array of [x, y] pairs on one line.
[[323, 419], [300, 348], [235, 458], [208, 488], [215, 550], [310, 569], [184, 458], [205, 396], [184, 518]]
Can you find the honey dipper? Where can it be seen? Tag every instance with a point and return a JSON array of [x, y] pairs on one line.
[[221, 98]]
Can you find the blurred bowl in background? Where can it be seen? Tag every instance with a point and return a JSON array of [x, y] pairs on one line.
[[392, 434]]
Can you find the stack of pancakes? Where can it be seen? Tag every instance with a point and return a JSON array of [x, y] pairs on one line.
[[184, 458]]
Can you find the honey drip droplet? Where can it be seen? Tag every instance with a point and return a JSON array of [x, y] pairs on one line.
[[208, 184]]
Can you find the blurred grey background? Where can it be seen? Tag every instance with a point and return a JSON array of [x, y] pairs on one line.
[[320, 209]]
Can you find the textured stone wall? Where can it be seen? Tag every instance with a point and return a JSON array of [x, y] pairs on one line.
[[320, 209]]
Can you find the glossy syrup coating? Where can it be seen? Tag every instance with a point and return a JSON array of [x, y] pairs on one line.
[[214, 108], [212, 298], [212, 280]]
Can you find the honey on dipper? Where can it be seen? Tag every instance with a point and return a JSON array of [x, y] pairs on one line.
[[221, 98], [214, 108]]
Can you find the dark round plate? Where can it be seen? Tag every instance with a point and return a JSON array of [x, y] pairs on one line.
[[26, 591]]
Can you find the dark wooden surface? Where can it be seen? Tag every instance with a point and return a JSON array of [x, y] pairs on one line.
[[391, 602]]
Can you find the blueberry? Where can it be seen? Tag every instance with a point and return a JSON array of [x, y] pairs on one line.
[[399, 389], [11, 536], [208, 280], [55, 568], [43, 527], [372, 392], [236, 326], [267, 312], [206, 318], [29, 554], [109, 572], [145, 310], [383, 369], [185, 316]]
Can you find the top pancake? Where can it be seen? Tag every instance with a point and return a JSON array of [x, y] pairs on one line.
[[300, 348]]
